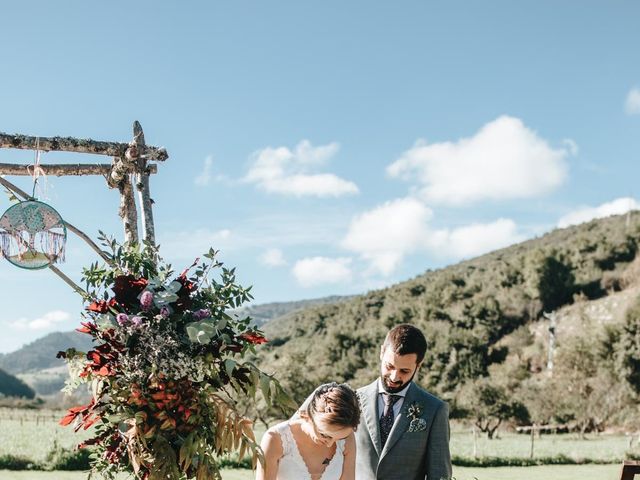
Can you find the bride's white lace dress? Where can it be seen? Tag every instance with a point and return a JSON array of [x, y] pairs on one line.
[[292, 466]]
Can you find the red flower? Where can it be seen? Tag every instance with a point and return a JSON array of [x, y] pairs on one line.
[[87, 327], [184, 294], [254, 338], [102, 361], [102, 306], [98, 307], [127, 288]]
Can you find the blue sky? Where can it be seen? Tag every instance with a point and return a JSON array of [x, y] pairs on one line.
[[326, 147]]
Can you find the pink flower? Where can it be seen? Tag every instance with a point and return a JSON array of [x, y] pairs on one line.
[[201, 314], [165, 312], [137, 321], [146, 300], [122, 319]]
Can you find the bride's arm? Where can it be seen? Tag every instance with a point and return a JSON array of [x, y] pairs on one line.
[[349, 464], [272, 447]]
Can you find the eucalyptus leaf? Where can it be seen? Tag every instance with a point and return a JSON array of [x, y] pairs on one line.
[[229, 366], [265, 387]]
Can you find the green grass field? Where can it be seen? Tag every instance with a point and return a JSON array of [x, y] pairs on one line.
[[556, 472], [32, 434], [600, 447]]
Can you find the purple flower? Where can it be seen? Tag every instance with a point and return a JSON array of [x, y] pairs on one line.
[[122, 319], [165, 312], [201, 314], [137, 321], [146, 300]]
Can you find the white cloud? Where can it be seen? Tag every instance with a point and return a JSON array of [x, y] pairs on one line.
[[572, 146], [273, 258], [632, 103], [204, 177], [475, 239], [586, 214], [46, 321], [503, 160], [286, 172], [314, 271], [384, 235]]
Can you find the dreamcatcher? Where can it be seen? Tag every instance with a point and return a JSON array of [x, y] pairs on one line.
[[33, 235]]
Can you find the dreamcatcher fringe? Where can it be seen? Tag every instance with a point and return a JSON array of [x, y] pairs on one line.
[[16, 244]]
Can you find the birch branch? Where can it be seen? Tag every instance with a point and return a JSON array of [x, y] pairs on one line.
[[142, 184], [68, 281], [128, 211], [78, 145], [60, 170]]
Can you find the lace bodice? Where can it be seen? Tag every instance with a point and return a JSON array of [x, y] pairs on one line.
[[292, 466]]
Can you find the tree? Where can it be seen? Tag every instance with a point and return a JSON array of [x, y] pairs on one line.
[[555, 283], [628, 348], [488, 404]]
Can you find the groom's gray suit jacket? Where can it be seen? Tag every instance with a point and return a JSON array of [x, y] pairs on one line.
[[412, 452]]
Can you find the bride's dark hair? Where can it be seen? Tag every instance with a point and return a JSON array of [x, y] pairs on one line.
[[337, 403]]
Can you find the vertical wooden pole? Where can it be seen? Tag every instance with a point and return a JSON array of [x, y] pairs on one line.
[[142, 183], [533, 432], [552, 341], [475, 442], [128, 211]]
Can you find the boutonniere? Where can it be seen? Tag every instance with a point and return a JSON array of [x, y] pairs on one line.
[[417, 423]]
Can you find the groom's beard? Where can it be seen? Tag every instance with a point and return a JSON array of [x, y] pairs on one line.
[[388, 386]]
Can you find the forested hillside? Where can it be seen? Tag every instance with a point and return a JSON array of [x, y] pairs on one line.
[[481, 317]]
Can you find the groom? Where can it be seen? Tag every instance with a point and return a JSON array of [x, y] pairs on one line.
[[404, 431]]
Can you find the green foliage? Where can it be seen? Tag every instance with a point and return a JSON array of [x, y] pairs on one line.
[[476, 316], [17, 462], [60, 458], [555, 283], [628, 348], [523, 462], [167, 366], [489, 404]]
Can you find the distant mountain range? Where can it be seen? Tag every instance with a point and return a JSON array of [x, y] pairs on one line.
[[261, 314]]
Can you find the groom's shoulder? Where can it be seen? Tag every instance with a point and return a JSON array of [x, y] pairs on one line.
[[428, 397], [366, 388]]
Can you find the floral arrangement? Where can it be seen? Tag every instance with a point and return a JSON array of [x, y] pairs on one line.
[[166, 366], [414, 412]]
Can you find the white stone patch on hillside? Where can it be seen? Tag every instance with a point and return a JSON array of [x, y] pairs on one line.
[[587, 316]]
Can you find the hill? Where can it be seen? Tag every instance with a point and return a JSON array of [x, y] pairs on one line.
[[264, 312], [11, 386], [41, 353], [479, 316]]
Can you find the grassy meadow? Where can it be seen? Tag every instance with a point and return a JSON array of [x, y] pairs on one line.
[[32, 434], [555, 472]]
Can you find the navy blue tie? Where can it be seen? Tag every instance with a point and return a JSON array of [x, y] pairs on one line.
[[386, 420]]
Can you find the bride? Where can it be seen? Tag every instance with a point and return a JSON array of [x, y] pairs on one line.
[[318, 443]]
